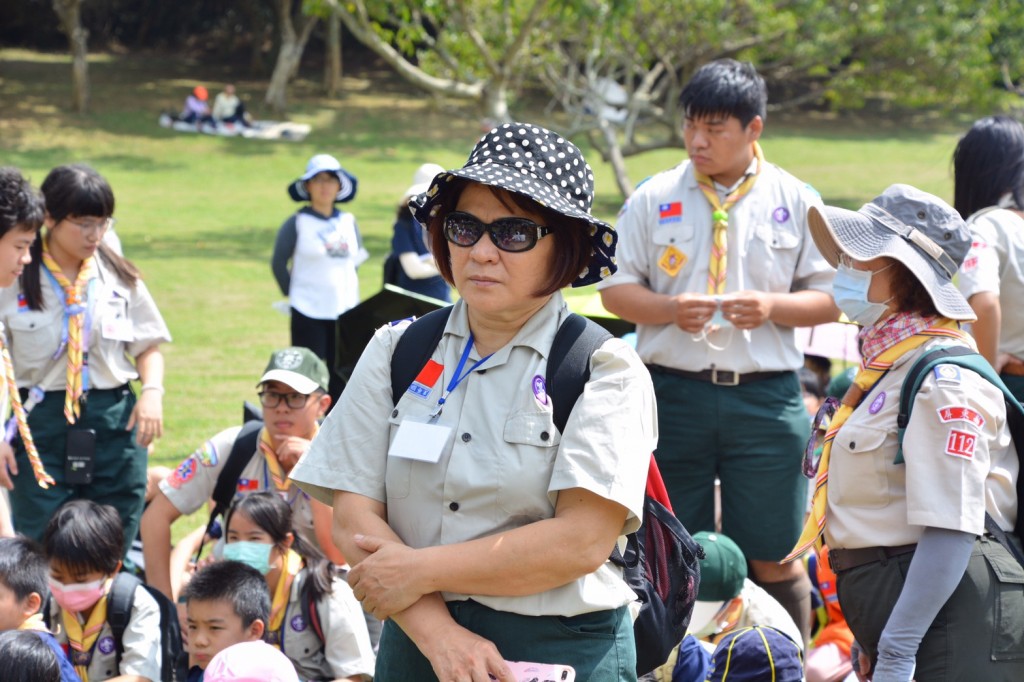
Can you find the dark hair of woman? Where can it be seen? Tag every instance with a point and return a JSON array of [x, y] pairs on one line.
[[85, 535], [908, 292], [989, 162], [71, 192], [273, 515], [572, 236], [25, 657]]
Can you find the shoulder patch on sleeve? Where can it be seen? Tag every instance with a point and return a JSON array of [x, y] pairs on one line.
[[947, 374], [961, 444], [184, 473], [207, 454]]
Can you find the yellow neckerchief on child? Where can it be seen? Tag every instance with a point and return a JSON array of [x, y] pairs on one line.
[[720, 220], [75, 303], [282, 483], [44, 479], [34, 622], [282, 593], [861, 386], [82, 640]]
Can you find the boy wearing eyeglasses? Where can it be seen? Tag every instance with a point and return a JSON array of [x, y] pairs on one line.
[[293, 392]]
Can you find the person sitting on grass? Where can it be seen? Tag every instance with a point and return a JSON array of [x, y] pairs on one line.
[[227, 602]]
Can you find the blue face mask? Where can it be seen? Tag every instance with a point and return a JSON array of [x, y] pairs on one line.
[[850, 290], [255, 554]]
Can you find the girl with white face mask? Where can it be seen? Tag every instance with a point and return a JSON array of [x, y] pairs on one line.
[[84, 542], [314, 617]]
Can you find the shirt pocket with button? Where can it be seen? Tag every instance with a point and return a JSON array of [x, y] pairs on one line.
[[34, 339], [776, 248], [858, 467], [398, 470], [526, 465]]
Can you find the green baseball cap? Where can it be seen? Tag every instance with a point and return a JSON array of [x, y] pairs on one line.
[[723, 568], [298, 368]]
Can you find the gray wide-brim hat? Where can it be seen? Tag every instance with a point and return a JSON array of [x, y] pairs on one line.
[[542, 166], [918, 229]]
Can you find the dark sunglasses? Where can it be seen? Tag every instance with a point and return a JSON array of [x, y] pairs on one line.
[[819, 427], [508, 234]]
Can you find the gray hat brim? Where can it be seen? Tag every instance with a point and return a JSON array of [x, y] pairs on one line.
[[838, 230]]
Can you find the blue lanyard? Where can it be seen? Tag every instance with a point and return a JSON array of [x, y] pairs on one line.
[[458, 376], [69, 310]]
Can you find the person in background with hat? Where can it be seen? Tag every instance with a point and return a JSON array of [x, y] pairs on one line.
[[293, 393], [196, 109], [906, 531], [477, 528], [416, 269], [315, 257], [756, 654], [988, 168], [717, 268]]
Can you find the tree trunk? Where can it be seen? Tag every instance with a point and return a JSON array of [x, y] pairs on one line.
[[288, 57], [69, 12], [615, 158], [332, 67], [494, 102]]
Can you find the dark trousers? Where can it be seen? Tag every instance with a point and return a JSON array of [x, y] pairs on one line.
[[598, 645], [977, 635], [119, 471], [321, 337]]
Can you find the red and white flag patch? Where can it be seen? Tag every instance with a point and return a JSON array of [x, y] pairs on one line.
[[426, 379], [961, 443], [960, 413]]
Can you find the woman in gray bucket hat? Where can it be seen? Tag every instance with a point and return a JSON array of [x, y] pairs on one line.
[[478, 527], [921, 581]]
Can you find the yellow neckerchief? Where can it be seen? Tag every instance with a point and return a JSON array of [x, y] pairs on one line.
[[862, 384], [34, 622], [282, 593], [282, 483], [44, 479], [82, 640], [720, 220], [75, 304]]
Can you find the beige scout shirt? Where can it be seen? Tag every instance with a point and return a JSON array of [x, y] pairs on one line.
[[505, 462], [960, 461], [995, 264], [125, 322], [191, 485], [141, 642], [769, 249], [346, 650]]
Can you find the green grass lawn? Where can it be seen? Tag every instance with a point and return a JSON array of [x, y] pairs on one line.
[[199, 214]]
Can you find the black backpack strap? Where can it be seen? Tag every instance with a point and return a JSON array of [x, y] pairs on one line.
[[414, 349], [120, 600], [569, 363]]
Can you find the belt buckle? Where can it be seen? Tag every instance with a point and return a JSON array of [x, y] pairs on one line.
[[718, 380]]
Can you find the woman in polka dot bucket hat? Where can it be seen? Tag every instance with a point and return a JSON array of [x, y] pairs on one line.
[[478, 526], [535, 164]]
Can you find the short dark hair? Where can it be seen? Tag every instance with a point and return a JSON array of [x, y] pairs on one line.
[[235, 583], [21, 205], [25, 657], [725, 86], [572, 241], [810, 382], [77, 190], [85, 535], [909, 294], [988, 162], [23, 567]]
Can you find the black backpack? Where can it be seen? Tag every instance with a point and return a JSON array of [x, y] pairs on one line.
[[967, 358], [662, 561]]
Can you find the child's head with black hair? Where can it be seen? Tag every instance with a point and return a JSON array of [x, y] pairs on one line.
[[22, 581], [227, 602], [21, 215], [25, 657], [811, 388], [84, 543]]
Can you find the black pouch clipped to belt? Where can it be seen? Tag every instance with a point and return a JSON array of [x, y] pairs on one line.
[[80, 456]]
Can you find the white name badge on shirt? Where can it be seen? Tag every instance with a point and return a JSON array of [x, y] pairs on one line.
[[419, 441]]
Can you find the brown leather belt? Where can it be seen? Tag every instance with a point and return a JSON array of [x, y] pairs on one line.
[[719, 377], [846, 559]]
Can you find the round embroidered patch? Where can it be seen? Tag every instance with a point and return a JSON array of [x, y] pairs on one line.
[[781, 214], [106, 645], [298, 623]]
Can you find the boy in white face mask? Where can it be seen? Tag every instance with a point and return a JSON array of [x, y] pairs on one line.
[[84, 543]]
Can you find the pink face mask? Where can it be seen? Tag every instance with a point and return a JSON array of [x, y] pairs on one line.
[[77, 597]]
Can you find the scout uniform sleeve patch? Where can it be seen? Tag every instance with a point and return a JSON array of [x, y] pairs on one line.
[[183, 474], [961, 444], [207, 454], [947, 374], [960, 413]]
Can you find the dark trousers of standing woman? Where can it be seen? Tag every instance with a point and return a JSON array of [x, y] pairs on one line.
[[119, 469], [320, 336]]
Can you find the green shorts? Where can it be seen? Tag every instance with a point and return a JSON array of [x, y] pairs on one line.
[[599, 645], [752, 438]]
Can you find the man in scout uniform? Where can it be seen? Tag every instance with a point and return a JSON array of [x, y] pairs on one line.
[[716, 268], [293, 392]]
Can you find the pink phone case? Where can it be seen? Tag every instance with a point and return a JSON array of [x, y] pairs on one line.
[[541, 672]]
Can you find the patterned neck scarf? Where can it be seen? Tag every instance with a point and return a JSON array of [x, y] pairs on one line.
[[720, 220], [21, 418], [83, 639], [862, 384], [282, 593], [75, 305], [886, 333]]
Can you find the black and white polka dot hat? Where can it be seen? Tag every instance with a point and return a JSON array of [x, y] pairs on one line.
[[543, 166]]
